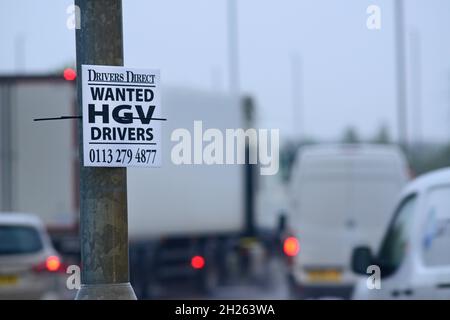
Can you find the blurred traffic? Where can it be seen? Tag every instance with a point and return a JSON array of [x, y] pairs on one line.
[[347, 216]]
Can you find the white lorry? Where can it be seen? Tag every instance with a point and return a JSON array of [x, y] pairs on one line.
[[341, 198], [189, 198], [185, 221], [38, 161]]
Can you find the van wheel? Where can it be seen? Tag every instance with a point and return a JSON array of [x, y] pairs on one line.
[[294, 289]]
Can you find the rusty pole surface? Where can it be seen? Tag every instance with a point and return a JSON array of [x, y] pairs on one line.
[[103, 191]]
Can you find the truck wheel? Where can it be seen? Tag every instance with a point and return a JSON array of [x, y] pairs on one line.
[[209, 280]]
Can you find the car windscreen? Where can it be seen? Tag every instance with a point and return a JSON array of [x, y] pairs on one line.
[[19, 240]]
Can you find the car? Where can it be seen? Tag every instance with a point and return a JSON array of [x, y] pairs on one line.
[[413, 259], [30, 268], [341, 196]]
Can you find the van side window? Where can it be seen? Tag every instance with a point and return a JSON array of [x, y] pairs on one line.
[[395, 242], [436, 231]]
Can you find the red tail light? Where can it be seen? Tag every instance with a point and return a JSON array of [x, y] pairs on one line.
[[291, 247], [70, 74], [51, 264], [197, 262]]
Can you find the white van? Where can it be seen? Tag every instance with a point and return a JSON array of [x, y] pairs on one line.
[[414, 256], [341, 197]]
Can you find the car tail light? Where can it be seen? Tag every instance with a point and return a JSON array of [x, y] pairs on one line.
[[291, 246], [197, 262], [51, 264]]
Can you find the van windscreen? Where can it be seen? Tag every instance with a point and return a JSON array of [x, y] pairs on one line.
[[395, 242]]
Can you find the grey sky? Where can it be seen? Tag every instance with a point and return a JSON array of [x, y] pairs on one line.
[[348, 74]]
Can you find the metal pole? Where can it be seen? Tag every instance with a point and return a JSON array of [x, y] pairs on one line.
[[416, 85], [449, 108], [297, 94], [233, 47], [6, 149], [103, 191], [401, 73]]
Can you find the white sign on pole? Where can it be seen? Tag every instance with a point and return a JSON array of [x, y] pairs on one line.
[[121, 117]]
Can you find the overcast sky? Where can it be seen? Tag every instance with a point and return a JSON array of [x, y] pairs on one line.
[[348, 70]]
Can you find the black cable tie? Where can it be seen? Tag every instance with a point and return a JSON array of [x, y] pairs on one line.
[[79, 117], [58, 118]]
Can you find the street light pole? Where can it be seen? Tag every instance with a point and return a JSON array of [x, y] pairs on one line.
[[233, 48], [401, 72], [103, 191], [416, 85], [297, 95]]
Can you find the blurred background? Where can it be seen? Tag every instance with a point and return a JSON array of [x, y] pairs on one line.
[[360, 91]]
